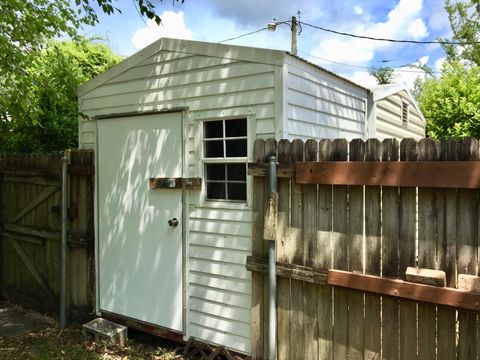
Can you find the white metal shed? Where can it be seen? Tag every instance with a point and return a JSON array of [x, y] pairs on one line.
[[188, 109]]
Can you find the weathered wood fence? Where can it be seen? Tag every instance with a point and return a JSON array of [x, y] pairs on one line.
[[30, 224], [376, 230]]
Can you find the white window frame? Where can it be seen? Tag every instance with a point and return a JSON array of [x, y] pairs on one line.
[[224, 159]]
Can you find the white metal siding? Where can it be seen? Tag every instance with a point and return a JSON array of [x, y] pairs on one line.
[[320, 105], [218, 238], [389, 118]]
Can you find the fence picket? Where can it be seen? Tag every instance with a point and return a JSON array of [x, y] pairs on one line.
[[284, 254], [310, 257], [427, 228], [296, 224], [340, 260], [446, 248], [356, 332], [372, 256], [325, 251], [390, 232], [467, 225], [408, 321]]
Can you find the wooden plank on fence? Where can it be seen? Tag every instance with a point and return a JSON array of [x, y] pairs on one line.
[[287, 270], [356, 330], [297, 339], [286, 171], [390, 215], [38, 276], [372, 256], [407, 217], [427, 231], [258, 321], [325, 259], [340, 259], [40, 198], [446, 253], [405, 290], [405, 173], [25, 230], [284, 254], [310, 257], [467, 227]]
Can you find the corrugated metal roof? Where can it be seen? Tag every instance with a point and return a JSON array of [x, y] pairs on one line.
[[327, 71]]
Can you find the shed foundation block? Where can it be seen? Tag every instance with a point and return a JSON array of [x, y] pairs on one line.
[[101, 329]]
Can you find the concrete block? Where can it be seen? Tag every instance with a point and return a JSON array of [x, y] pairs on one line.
[[107, 330], [469, 283], [426, 276]]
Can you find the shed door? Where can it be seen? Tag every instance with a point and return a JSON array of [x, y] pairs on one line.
[[139, 254]]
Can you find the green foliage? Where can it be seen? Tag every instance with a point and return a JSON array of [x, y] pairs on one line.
[[464, 19], [451, 103], [25, 25], [383, 74], [38, 108]]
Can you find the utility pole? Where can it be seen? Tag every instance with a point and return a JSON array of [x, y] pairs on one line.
[[294, 36]]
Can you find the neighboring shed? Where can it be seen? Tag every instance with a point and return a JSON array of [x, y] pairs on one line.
[[395, 113], [174, 258]]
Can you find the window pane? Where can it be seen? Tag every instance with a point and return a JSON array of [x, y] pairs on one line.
[[215, 172], [236, 172], [214, 148], [215, 190], [237, 191], [236, 148], [213, 129], [237, 127]]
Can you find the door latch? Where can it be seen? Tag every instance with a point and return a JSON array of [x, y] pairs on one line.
[[173, 222]]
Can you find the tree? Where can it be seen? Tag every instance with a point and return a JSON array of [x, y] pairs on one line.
[[464, 17], [383, 74], [25, 25], [38, 108], [451, 103]]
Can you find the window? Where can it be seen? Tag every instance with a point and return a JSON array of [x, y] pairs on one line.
[[225, 159], [404, 113]]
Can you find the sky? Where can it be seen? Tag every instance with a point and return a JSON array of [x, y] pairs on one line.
[[217, 20]]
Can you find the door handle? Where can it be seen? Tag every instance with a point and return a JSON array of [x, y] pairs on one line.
[[173, 222]]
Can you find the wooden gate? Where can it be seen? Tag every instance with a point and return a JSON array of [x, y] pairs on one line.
[[30, 223]]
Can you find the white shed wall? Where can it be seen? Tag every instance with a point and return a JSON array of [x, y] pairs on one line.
[[218, 235], [389, 118], [321, 105]]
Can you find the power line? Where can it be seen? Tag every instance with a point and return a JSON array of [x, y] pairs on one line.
[[389, 40], [243, 35], [364, 67]]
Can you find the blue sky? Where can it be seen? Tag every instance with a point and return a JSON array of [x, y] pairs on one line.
[[216, 20]]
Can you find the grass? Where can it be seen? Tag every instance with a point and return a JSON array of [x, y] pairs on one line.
[[51, 343]]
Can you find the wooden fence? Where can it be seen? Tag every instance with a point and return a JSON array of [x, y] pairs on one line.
[[376, 230], [30, 224]]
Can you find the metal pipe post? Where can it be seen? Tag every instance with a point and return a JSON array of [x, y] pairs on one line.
[[63, 265], [272, 276]]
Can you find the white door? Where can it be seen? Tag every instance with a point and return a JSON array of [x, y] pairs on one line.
[[139, 253]]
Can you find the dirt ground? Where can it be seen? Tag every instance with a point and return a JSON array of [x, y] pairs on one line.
[[28, 335]]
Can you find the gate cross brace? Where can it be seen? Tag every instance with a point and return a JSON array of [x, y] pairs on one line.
[[42, 281]]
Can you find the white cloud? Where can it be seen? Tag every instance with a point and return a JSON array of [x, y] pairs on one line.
[[439, 63], [404, 21], [363, 78], [172, 26], [357, 10]]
